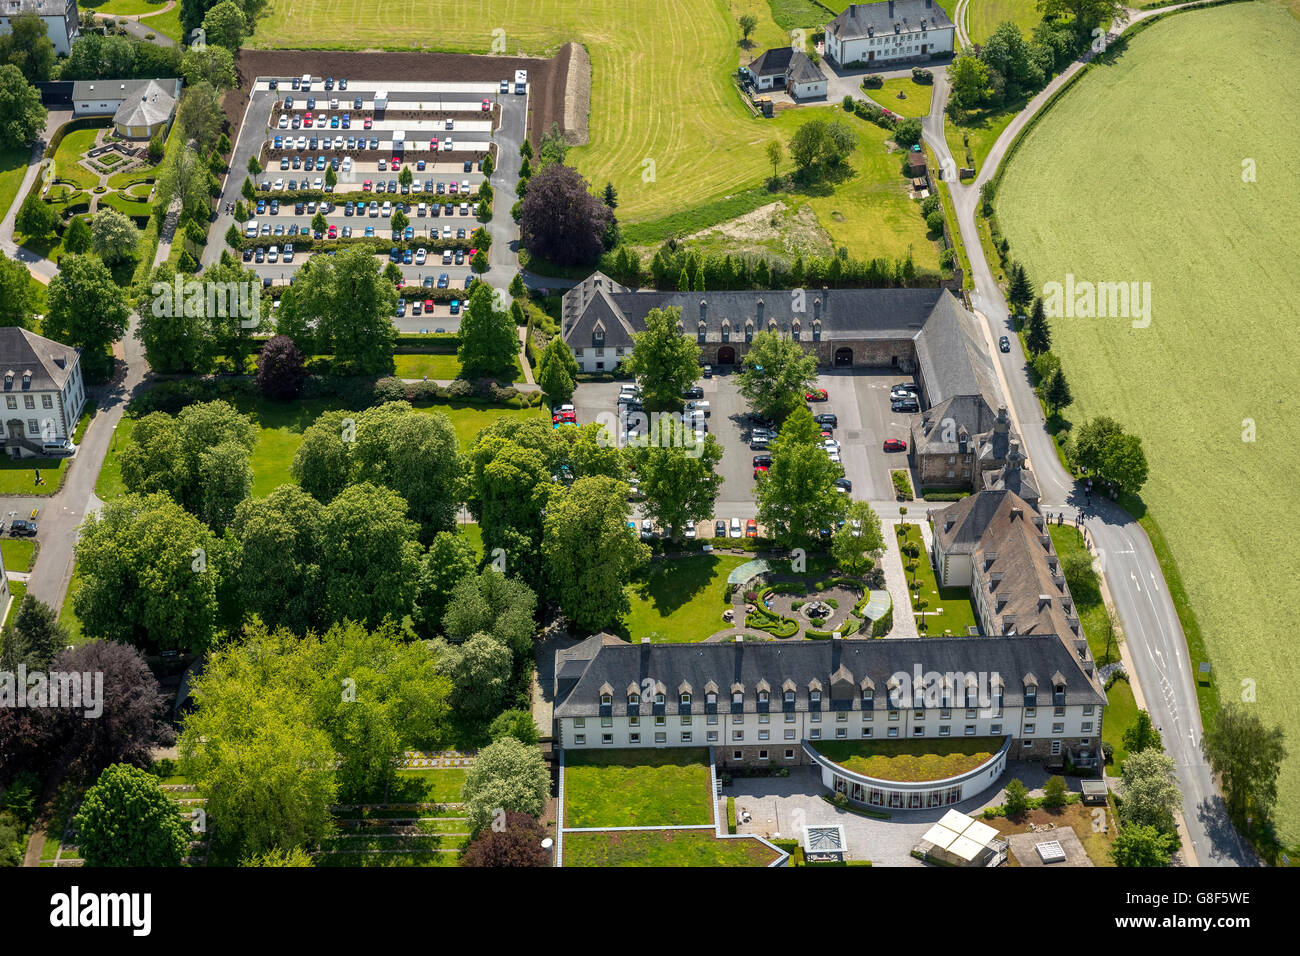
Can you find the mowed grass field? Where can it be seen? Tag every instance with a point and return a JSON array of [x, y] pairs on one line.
[[984, 16], [667, 125], [1136, 174]]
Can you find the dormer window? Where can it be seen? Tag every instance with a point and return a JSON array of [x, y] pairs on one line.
[[659, 698], [789, 697], [749, 331], [684, 699], [598, 337], [710, 698], [726, 331], [606, 700], [868, 699], [634, 700], [814, 697], [762, 697], [817, 330], [701, 330], [737, 699]]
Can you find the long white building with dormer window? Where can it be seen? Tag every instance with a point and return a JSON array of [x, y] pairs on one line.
[[44, 392], [866, 34]]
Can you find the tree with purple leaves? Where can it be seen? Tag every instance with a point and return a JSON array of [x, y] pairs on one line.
[[280, 369], [560, 220]]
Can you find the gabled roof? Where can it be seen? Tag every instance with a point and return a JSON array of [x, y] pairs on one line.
[[51, 363], [804, 70], [959, 527], [773, 62], [809, 664], [120, 89], [896, 16], [953, 360], [42, 8]]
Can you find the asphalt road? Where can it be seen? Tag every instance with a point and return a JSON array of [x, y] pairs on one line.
[[1156, 643]]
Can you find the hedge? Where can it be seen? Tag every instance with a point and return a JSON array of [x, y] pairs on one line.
[[944, 494], [731, 814], [882, 625]]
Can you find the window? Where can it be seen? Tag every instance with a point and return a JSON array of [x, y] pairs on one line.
[[814, 697], [866, 716], [737, 699], [659, 698], [737, 755], [33, 426], [893, 731], [607, 721], [995, 729], [1087, 711], [841, 732], [738, 735], [606, 700], [762, 697], [712, 736], [686, 736], [1058, 728], [1031, 712], [737, 718], [47, 401], [789, 698], [764, 735], [1086, 727], [789, 718], [944, 730], [789, 754], [11, 401], [866, 731], [867, 700], [762, 755], [1029, 745], [634, 700], [633, 721], [606, 738], [893, 715], [945, 714], [634, 738], [918, 731], [918, 715], [1056, 747], [842, 715], [659, 720], [970, 730], [1029, 729], [815, 733], [580, 721], [970, 713], [600, 365], [579, 740], [789, 735], [1058, 712], [684, 699], [686, 720], [29, 401], [815, 716], [764, 718], [711, 720]]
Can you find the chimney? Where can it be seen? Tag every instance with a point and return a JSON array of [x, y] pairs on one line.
[[1004, 421], [1014, 458], [817, 309], [645, 640], [740, 638], [759, 307], [826, 296], [891, 9]]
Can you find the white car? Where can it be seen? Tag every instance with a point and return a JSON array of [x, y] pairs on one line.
[[420, 256], [302, 142], [699, 406], [278, 184], [735, 528], [446, 145], [690, 530], [387, 209], [346, 165], [422, 210], [284, 121], [647, 529], [831, 445]]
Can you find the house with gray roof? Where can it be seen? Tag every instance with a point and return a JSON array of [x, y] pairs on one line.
[[140, 108], [789, 69], [866, 35], [44, 392], [62, 19], [771, 703]]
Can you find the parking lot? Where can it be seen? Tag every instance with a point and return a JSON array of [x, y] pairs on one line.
[[413, 108], [858, 397]]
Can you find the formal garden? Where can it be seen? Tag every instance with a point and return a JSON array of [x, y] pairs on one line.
[[939, 612]]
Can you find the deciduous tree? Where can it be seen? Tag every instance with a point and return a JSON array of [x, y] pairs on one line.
[[507, 775], [125, 819], [777, 374], [664, 361]]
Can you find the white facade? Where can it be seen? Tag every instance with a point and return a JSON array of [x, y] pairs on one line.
[[44, 414], [903, 45], [598, 359], [62, 21], [809, 90]]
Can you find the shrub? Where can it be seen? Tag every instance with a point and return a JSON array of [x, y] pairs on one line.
[[390, 390], [873, 81], [922, 76], [1017, 797], [946, 258], [883, 624], [929, 204], [902, 484], [934, 222], [731, 814], [848, 103], [1054, 792]]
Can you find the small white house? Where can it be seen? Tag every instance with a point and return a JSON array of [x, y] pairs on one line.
[[62, 20], [868, 33], [140, 108], [789, 69], [44, 392]]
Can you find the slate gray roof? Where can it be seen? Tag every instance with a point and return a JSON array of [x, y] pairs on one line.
[[148, 105], [959, 527], [773, 62], [804, 70], [897, 16], [109, 89], [953, 360], [1014, 476], [43, 8], [51, 363], [615, 667]]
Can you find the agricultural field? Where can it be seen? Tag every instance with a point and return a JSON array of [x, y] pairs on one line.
[[667, 125], [984, 16], [1211, 226]]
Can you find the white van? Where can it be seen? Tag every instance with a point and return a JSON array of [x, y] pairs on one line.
[[306, 83], [251, 229], [273, 254], [59, 448], [387, 209], [422, 210]]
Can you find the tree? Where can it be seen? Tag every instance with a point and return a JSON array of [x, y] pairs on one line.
[[479, 261], [226, 25], [1143, 846], [17, 303], [149, 575], [279, 574], [1017, 797], [492, 603], [553, 148], [22, 117], [370, 561], [518, 289], [507, 775], [36, 218], [1150, 794], [280, 369], [1056, 393], [486, 166], [174, 337], [350, 306], [332, 178], [1142, 735], [114, 237], [610, 197], [247, 190], [797, 496], [805, 145], [320, 224], [480, 674], [201, 117], [518, 843], [518, 724], [969, 76], [1020, 291], [125, 819], [27, 46], [1092, 440], [254, 164], [1038, 335], [85, 308], [1124, 464], [664, 361], [133, 716], [1054, 791], [748, 23], [777, 374], [399, 220], [556, 368], [1086, 14], [36, 636], [590, 551], [775, 155], [450, 559], [276, 857], [853, 545], [156, 149], [212, 64], [77, 237], [1247, 758], [560, 221], [226, 478], [488, 344], [680, 483], [322, 464], [1010, 57], [908, 132]]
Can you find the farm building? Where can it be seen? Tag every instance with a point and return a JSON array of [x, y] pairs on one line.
[[789, 69]]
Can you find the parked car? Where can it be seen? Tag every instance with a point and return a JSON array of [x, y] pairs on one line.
[[751, 528], [844, 486], [763, 460], [1004, 344], [895, 444], [735, 528], [647, 529], [21, 528], [759, 470], [816, 395], [719, 528], [693, 392]]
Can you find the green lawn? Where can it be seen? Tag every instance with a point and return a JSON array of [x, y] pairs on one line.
[[16, 590], [437, 367], [68, 617], [13, 166], [666, 848], [73, 145], [109, 484], [949, 609], [18, 553], [916, 101], [165, 23], [387, 859], [1121, 712], [910, 761], [18, 475], [629, 788], [982, 128], [1222, 503], [985, 16], [679, 601]]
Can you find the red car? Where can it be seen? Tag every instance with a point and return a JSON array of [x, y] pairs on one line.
[[366, 186], [760, 470], [751, 528], [334, 232], [307, 119], [428, 307], [827, 433], [895, 444], [433, 143], [397, 162], [367, 123], [816, 395], [487, 106]]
